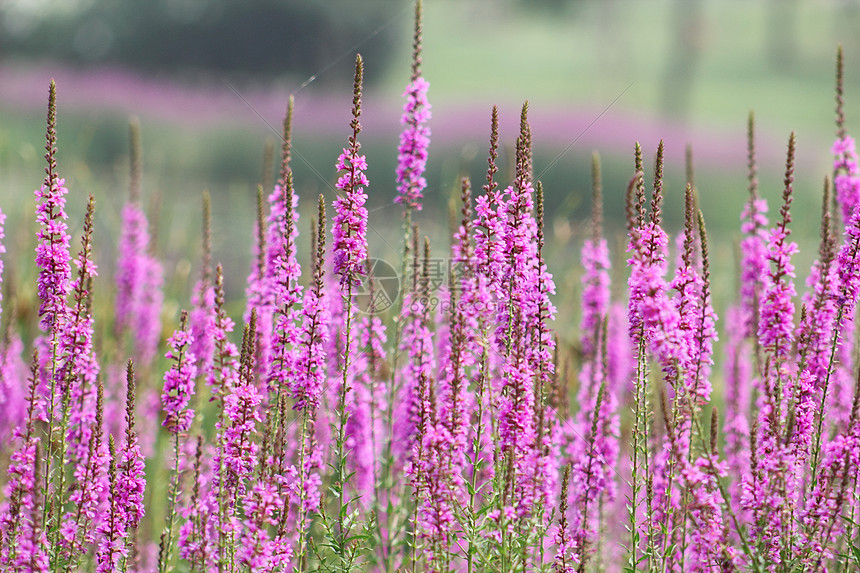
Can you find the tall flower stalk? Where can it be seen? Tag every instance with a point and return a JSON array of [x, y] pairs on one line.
[[415, 138], [349, 251], [178, 388]]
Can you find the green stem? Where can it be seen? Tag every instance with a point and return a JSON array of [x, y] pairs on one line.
[[171, 507], [340, 478]]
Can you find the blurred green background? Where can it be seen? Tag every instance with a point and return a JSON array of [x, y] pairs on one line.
[[210, 79]]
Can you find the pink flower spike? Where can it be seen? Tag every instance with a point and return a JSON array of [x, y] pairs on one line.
[[350, 221], [179, 381]]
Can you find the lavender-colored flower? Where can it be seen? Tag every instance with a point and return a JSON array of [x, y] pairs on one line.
[[648, 294], [131, 476], [364, 428], [52, 252], [307, 389], [202, 325], [846, 175], [522, 337], [197, 536], [310, 365], [13, 403], [135, 283], [776, 327], [139, 277], [415, 138], [286, 292], [349, 230], [240, 412], [80, 524], [414, 141], [148, 323], [77, 377], [236, 454], [754, 265], [179, 381], [417, 374], [593, 447], [111, 548], [490, 223], [738, 374], [23, 545], [848, 266], [262, 508]]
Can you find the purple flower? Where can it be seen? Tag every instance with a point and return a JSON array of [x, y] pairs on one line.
[[179, 382], [311, 360], [350, 220], [846, 178], [111, 547], [131, 476], [22, 538], [285, 290], [412, 158], [364, 428], [52, 252], [139, 279], [738, 375], [202, 325], [13, 403], [349, 230], [594, 442], [754, 267]]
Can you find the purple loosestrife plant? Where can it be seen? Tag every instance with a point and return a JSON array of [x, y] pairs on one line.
[[281, 291], [287, 295], [846, 170], [743, 351], [82, 448], [415, 138], [593, 444], [111, 549], [178, 388], [349, 230], [349, 253], [363, 425], [179, 381], [23, 542], [488, 235], [517, 431], [439, 448], [202, 318], [54, 284], [52, 252], [307, 389], [237, 448], [13, 399], [769, 494], [139, 276], [131, 476]]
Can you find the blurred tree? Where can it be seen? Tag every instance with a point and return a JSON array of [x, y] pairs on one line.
[[261, 37]]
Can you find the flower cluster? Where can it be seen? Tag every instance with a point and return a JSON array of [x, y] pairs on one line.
[[179, 383], [440, 438]]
